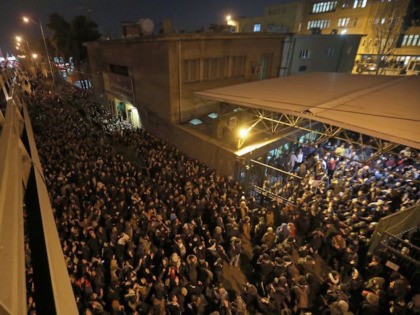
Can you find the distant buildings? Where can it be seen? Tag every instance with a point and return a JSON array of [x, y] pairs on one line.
[[319, 53], [390, 29]]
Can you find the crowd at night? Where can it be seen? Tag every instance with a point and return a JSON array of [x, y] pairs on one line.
[[157, 233]]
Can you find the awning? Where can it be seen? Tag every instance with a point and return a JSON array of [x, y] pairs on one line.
[[386, 107]]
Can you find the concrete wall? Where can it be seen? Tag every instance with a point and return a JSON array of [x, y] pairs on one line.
[[277, 18], [201, 148], [164, 98], [184, 104], [156, 68], [327, 53]]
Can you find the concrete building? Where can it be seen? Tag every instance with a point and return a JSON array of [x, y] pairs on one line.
[[319, 53], [279, 18], [151, 81], [383, 24]]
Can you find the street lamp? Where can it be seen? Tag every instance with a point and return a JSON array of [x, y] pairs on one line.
[[19, 40], [27, 20]]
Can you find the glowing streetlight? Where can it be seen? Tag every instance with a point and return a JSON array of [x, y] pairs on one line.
[[27, 20], [19, 40], [34, 56], [243, 133]]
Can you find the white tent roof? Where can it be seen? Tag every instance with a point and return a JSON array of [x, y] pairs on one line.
[[386, 107]]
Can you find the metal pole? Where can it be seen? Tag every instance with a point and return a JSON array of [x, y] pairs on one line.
[[29, 54], [46, 51]]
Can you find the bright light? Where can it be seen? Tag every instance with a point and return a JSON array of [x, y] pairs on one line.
[[18, 38], [343, 31], [34, 56], [17, 47], [25, 19], [243, 132], [228, 17]]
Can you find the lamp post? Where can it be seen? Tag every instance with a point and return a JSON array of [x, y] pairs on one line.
[[27, 20], [19, 39]]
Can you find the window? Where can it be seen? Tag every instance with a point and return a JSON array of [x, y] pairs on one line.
[[195, 122], [319, 23], [359, 4], [305, 54], [410, 39], [404, 42], [237, 66], [329, 52], [347, 22], [416, 40], [343, 22], [118, 69], [257, 27], [347, 4], [214, 68], [324, 7], [191, 71]]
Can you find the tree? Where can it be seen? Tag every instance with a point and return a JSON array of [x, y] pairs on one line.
[[61, 35], [68, 38], [387, 25]]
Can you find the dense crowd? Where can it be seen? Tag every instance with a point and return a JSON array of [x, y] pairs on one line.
[[155, 235]]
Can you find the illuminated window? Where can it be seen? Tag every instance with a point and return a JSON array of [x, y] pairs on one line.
[[324, 7], [359, 4], [404, 42], [195, 122], [257, 27], [319, 23], [347, 22], [409, 40], [343, 22]]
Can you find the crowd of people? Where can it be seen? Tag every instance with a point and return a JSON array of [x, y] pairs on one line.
[[156, 235]]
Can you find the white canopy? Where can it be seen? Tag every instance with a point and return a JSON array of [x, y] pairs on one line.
[[386, 107]]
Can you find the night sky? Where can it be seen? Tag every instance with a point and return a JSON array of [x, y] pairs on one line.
[[188, 15]]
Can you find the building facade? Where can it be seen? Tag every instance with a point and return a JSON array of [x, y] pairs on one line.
[[319, 53], [279, 18], [384, 25], [150, 81]]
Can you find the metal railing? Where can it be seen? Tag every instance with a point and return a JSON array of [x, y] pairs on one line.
[[402, 256], [22, 183], [395, 224]]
